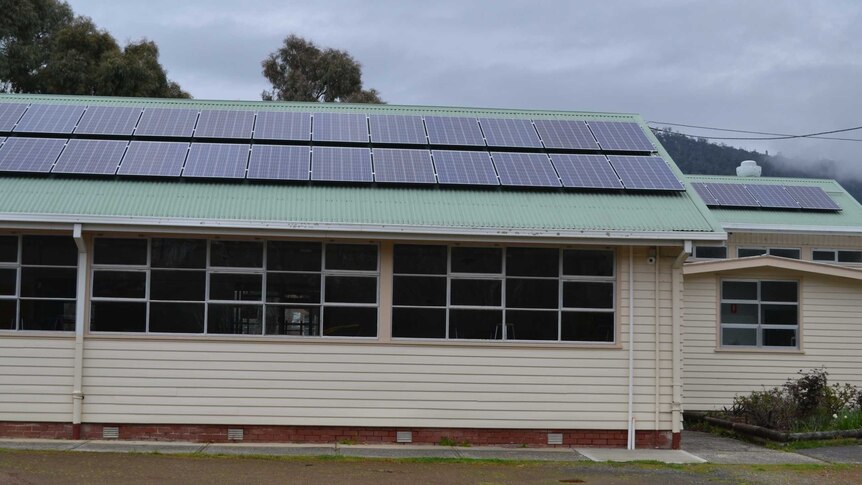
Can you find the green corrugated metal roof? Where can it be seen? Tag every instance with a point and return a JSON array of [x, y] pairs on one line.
[[849, 218]]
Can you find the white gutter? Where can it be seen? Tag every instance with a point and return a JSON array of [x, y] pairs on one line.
[[631, 422], [792, 229], [80, 296], [676, 342]]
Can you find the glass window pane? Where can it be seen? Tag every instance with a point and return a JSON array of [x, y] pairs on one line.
[[177, 285], [47, 315], [527, 325], [476, 292], [358, 257], [293, 287], [8, 249], [176, 317], [120, 251], [710, 252], [739, 290], [587, 262], [588, 327], [236, 254], [293, 256], [529, 293], [419, 322], [532, 262], [349, 322], [850, 256], [351, 289], [415, 259], [7, 314], [476, 324], [8, 281], [119, 284], [824, 255], [116, 316], [739, 336], [179, 253], [48, 282], [739, 313], [235, 319], [419, 290], [232, 286], [301, 321], [779, 314], [477, 260], [49, 251], [776, 337], [748, 252], [785, 253], [588, 294], [778, 291]]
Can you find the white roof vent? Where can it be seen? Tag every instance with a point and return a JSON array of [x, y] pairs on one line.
[[748, 168]]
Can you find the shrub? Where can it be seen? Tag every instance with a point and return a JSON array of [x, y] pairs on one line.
[[770, 408]]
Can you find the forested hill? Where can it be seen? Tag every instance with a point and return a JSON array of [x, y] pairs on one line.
[[700, 157]]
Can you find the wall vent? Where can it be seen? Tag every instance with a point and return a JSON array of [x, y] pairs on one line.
[[110, 432], [404, 437], [555, 438], [234, 434]]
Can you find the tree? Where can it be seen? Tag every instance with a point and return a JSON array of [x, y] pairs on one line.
[[301, 71]]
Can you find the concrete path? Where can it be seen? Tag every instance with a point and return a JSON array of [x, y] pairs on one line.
[[621, 455], [716, 449], [836, 454]]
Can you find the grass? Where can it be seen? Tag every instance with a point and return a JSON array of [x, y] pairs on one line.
[[808, 444], [844, 421]]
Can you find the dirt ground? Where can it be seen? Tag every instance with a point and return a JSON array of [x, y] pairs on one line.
[[71, 468]]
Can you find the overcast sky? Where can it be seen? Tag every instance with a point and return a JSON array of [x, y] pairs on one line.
[[776, 66]]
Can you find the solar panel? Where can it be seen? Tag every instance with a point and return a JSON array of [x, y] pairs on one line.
[[645, 173], [772, 196], [586, 171], [154, 158], [109, 120], [346, 127], [464, 168], [732, 195], [397, 129], [621, 135], [525, 169], [30, 154], [167, 122], [510, 133], [271, 162], [405, 166], [50, 118], [216, 160], [10, 113], [223, 123], [566, 134], [445, 130], [702, 190], [95, 157], [336, 164], [282, 125], [812, 198]]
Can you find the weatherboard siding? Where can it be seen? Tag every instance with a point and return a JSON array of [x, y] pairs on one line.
[[805, 242], [36, 378]]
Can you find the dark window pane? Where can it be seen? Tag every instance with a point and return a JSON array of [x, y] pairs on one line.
[[739, 336], [710, 252], [826, 255], [177, 285], [588, 327], [739, 290], [476, 324], [115, 316], [532, 262], [778, 291], [476, 292], [477, 260], [231, 286], [748, 252], [235, 319], [8, 249], [588, 294], [236, 254], [739, 313], [351, 289], [419, 290], [359, 257], [526, 325], [849, 256], [588, 262], [293, 287], [119, 284], [48, 282], [120, 251], [419, 322], [291, 320], [7, 314], [8, 281], [414, 259], [777, 337], [293, 256], [49, 250], [523, 293], [176, 317], [349, 322], [47, 315], [179, 253], [785, 253], [779, 314]]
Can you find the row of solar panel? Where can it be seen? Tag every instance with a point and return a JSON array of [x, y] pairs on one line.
[[324, 127], [342, 164], [766, 196]]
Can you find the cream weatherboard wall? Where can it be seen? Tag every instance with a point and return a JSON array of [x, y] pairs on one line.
[[806, 243], [36, 378]]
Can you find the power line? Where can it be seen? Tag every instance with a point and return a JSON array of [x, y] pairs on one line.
[[773, 136]]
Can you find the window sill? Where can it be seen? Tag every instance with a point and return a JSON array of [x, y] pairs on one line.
[[754, 350], [507, 344], [63, 334]]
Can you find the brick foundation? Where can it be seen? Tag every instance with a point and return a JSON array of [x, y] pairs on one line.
[[334, 434]]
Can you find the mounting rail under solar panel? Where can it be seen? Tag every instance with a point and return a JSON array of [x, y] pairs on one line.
[[812, 198], [91, 157], [510, 132], [403, 166], [645, 173], [50, 118], [772, 196], [566, 134], [464, 168], [282, 125], [621, 136], [337, 164], [279, 162], [10, 113], [732, 195], [445, 130], [154, 158], [108, 120], [525, 169], [401, 129], [340, 127], [35, 155], [167, 122], [216, 160], [222, 123], [585, 171]]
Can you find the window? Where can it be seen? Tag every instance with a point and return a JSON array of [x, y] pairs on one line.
[[167, 285], [38, 282], [710, 252], [834, 255], [515, 293], [792, 253], [759, 314]]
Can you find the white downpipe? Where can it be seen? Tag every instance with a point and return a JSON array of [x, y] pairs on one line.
[[80, 295], [631, 421], [676, 287], [657, 316]]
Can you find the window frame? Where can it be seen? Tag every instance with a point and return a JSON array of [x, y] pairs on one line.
[[697, 247], [835, 255], [759, 327], [768, 251]]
